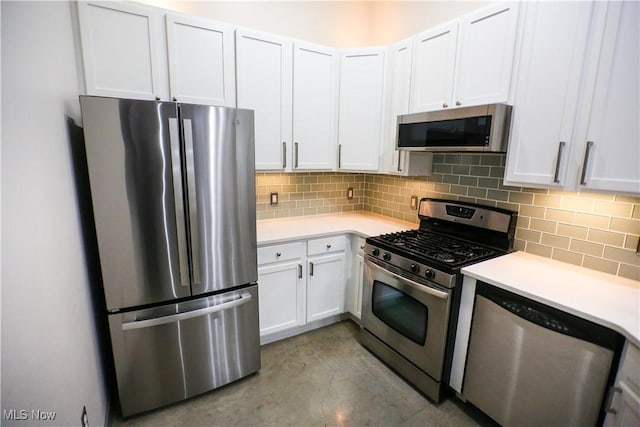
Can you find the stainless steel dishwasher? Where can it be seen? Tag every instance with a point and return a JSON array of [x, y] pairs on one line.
[[529, 364]]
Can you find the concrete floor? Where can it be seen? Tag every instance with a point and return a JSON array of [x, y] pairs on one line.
[[322, 378]]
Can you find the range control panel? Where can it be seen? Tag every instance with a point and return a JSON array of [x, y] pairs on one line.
[[460, 211]]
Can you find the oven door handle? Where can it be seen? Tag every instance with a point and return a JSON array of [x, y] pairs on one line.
[[415, 285]]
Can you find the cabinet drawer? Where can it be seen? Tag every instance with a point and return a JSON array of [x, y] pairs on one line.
[[326, 245], [284, 252]]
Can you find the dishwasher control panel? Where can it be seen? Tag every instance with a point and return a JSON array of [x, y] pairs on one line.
[[549, 317], [535, 316]]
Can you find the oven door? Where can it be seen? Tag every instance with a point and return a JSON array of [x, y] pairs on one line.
[[410, 316]]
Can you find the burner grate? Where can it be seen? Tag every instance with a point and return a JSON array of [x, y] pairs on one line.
[[428, 245]]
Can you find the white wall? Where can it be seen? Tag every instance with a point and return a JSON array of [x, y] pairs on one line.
[[50, 357], [392, 21], [334, 23]]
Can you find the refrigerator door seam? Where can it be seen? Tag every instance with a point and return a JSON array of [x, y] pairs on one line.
[[176, 166], [192, 200]]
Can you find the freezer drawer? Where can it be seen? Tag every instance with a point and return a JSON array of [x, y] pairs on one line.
[[169, 353]]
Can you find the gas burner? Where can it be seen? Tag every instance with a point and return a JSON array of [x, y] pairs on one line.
[[445, 257], [426, 245]]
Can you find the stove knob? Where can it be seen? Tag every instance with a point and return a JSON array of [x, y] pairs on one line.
[[386, 256], [375, 252], [415, 268], [429, 274]]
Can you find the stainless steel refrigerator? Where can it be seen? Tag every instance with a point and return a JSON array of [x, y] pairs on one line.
[[173, 192]]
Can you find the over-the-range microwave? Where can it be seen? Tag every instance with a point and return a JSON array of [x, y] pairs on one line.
[[483, 128]]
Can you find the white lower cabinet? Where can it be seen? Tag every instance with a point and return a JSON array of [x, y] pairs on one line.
[[281, 296], [300, 283], [282, 287], [325, 278], [624, 399], [325, 286]]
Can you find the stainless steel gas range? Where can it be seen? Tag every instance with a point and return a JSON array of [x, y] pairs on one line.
[[412, 281]]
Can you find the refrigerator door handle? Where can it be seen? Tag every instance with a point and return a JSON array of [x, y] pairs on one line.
[[193, 206], [176, 166], [138, 324]]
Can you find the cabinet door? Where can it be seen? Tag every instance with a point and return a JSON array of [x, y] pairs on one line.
[[624, 397], [434, 56], [353, 293], [315, 106], [398, 103], [359, 266], [394, 161], [281, 296], [201, 61], [613, 131], [360, 109], [325, 286], [485, 55], [264, 84], [547, 88], [121, 50], [628, 408]]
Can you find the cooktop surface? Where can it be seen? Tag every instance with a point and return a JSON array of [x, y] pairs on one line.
[[426, 246]]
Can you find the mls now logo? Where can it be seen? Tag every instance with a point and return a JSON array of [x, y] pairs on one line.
[[15, 414], [23, 414]]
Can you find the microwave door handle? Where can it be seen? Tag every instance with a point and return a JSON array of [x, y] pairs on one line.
[[147, 323], [176, 167], [193, 205], [417, 286]]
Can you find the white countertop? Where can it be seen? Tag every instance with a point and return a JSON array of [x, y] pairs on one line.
[[608, 300], [364, 224]]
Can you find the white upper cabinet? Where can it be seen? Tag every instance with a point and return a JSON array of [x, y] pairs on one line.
[[315, 107], [360, 108], [264, 84], [485, 55], [434, 53], [577, 100], [611, 148], [397, 162], [121, 45], [465, 62], [201, 61], [546, 94]]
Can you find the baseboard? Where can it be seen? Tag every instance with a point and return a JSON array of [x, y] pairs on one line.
[[280, 335]]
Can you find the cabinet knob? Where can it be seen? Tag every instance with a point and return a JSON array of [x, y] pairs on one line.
[[175, 99], [278, 254], [329, 246], [445, 105], [458, 103], [157, 98]]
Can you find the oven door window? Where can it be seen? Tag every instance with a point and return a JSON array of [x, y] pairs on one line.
[[404, 314]]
